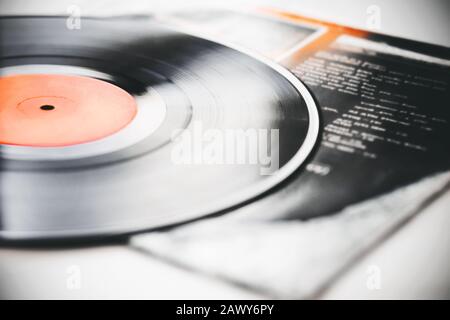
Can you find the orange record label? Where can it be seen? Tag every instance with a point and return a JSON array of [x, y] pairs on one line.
[[58, 110]]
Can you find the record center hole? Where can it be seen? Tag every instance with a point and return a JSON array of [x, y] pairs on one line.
[[47, 107]]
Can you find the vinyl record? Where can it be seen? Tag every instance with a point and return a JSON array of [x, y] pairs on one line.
[[125, 125]]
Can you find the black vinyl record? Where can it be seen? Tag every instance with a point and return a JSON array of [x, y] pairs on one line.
[[214, 127]]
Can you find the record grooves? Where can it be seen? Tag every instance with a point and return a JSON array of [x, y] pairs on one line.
[[125, 125]]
